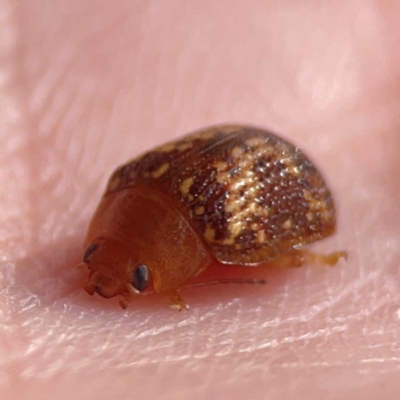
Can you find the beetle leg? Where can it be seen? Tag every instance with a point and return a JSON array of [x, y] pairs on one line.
[[124, 303], [296, 258], [128, 296], [177, 303]]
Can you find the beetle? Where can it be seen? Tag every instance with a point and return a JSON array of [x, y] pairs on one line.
[[223, 195]]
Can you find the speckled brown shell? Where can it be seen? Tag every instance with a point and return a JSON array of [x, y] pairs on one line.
[[248, 193]]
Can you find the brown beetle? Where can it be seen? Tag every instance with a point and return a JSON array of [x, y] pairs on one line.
[[223, 195]]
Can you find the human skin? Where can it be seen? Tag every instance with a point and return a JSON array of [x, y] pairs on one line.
[[85, 86]]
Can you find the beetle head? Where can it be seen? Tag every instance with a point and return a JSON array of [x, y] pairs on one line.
[[114, 270]]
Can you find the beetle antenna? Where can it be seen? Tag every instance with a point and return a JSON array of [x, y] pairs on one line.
[[228, 281], [132, 290], [82, 266], [212, 283]]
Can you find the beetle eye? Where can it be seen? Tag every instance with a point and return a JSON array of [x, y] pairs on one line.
[[89, 252], [141, 277]]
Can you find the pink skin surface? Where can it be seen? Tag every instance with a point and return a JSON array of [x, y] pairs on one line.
[[87, 85]]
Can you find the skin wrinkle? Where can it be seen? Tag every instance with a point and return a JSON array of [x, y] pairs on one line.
[[86, 87]]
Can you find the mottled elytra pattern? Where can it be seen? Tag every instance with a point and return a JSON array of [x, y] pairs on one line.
[[250, 194]]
